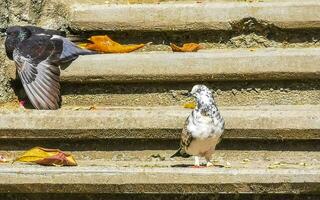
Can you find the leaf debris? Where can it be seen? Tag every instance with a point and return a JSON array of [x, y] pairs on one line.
[[188, 47], [104, 44], [47, 157]]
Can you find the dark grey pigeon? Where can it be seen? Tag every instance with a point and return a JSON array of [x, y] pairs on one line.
[[37, 54]]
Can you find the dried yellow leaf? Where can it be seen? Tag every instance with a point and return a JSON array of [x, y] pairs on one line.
[[104, 44], [43, 156]]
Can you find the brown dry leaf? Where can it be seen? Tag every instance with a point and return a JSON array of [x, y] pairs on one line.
[[103, 44], [48, 157], [188, 47], [190, 105]]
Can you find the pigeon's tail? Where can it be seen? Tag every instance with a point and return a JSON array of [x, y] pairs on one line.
[[180, 153], [68, 50], [68, 56], [82, 52], [176, 154]]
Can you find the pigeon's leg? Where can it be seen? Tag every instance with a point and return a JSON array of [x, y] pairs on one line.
[[22, 103], [196, 161], [208, 157], [22, 98]]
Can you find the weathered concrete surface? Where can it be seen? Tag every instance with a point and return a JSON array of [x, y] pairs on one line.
[[4, 14], [265, 122], [6, 91], [227, 159], [103, 179], [192, 16], [263, 64], [45, 13]]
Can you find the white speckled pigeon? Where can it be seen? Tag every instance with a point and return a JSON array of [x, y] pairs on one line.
[[202, 129], [37, 54]]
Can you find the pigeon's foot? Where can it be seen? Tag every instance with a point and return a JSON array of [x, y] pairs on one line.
[[196, 161], [22, 103], [209, 164]]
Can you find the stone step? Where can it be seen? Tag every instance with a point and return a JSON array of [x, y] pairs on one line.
[[213, 65], [242, 122], [99, 15], [238, 77], [153, 172]]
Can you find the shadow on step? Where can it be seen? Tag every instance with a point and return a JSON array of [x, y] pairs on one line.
[[162, 94], [245, 34], [155, 144], [39, 196], [164, 87]]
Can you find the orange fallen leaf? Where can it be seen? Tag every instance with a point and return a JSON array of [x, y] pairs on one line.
[[102, 43], [48, 157], [188, 47]]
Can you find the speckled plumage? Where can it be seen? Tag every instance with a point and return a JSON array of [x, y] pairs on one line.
[[203, 128]]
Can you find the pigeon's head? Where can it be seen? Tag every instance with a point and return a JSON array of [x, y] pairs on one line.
[[202, 94], [15, 35], [200, 90]]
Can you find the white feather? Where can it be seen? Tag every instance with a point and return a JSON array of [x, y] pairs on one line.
[[205, 129]]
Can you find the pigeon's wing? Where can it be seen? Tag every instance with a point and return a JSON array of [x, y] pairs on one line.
[[186, 139], [38, 30], [68, 50], [39, 76], [186, 136]]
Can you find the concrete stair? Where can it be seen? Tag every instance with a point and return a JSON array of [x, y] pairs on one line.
[[153, 172], [122, 113], [243, 122], [206, 65], [184, 15], [254, 77]]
